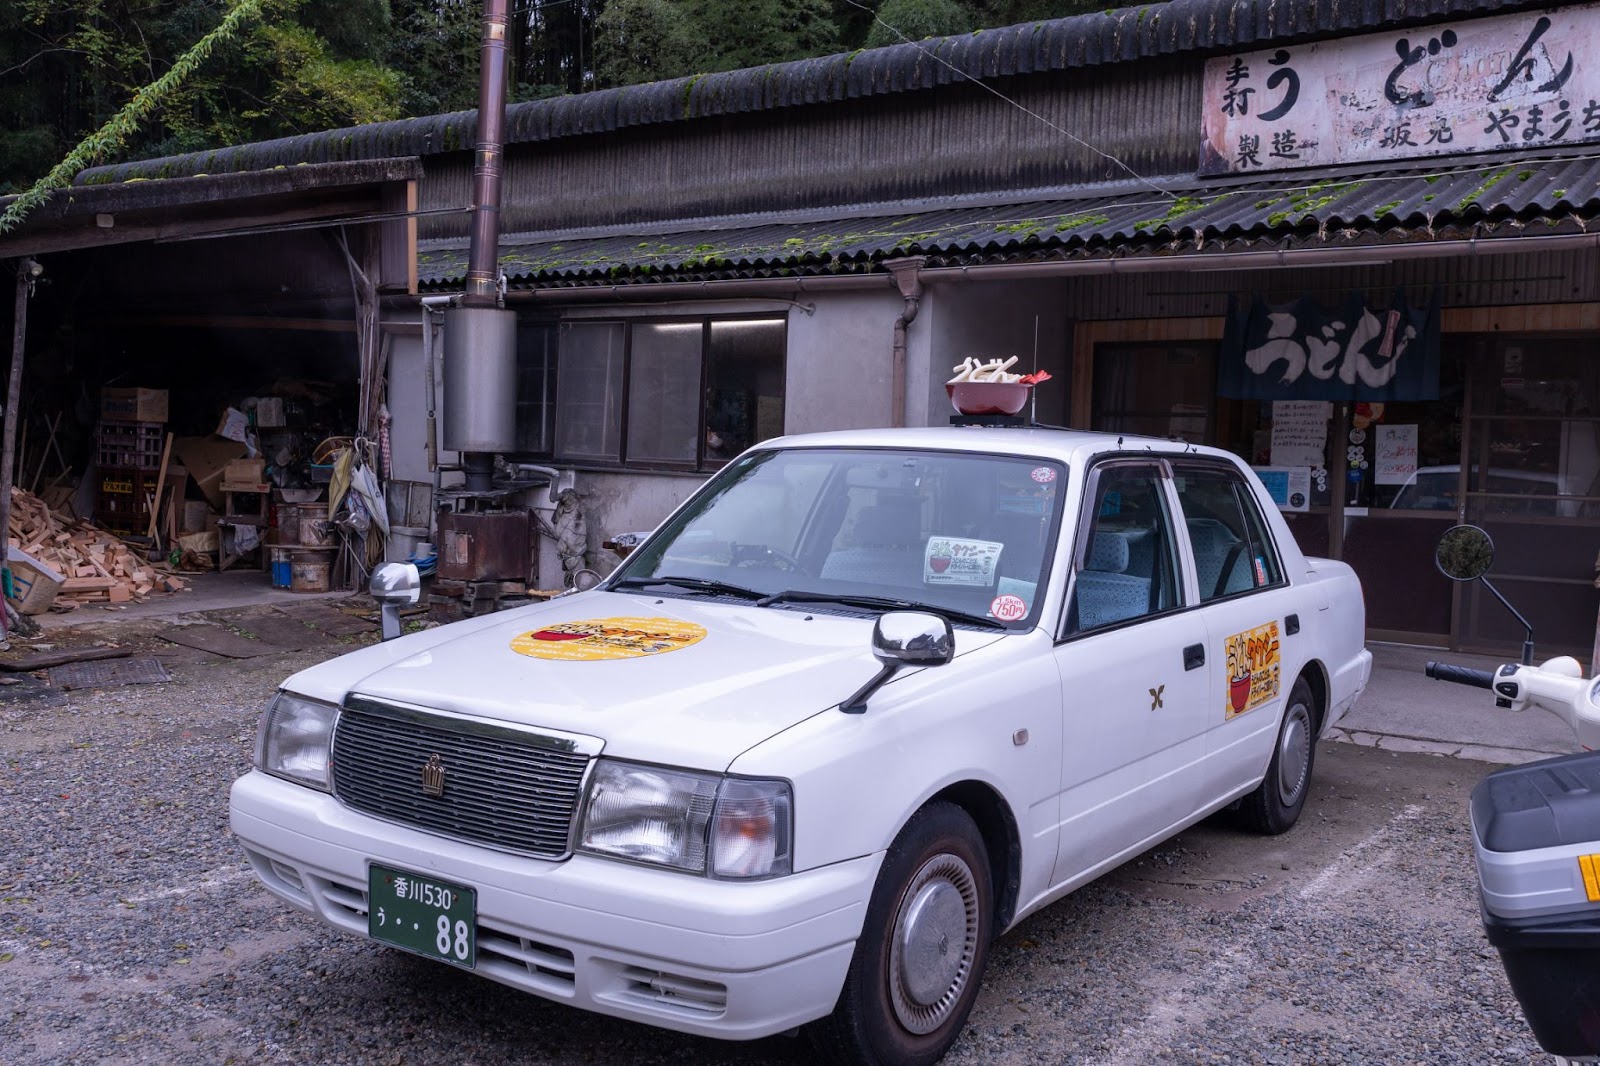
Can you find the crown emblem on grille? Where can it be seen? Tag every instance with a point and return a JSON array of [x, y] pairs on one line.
[[433, 776]]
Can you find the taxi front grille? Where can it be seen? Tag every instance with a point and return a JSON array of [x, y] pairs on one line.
[[498, 786]]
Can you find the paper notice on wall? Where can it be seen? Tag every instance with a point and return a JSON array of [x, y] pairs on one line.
[[1396, 460], [1300, 432], [1289, 486]]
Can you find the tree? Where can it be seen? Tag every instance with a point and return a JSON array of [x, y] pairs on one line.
[[916, 19], [640, 40]]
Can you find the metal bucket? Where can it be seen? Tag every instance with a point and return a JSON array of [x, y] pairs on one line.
[[288, 523], [280, 568], [309, 571], [315, 529]]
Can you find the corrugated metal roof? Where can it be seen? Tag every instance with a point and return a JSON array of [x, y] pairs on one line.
[[1405, 207], [1117, 36]]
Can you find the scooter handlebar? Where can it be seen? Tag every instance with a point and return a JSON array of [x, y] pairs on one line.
[[1460, 675]]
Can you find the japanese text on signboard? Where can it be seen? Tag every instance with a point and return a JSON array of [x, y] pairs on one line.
[[1527, 80]]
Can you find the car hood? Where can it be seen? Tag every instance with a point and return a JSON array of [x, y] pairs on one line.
[[682, 681]]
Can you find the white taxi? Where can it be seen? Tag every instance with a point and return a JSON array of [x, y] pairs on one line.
[[865, 701]]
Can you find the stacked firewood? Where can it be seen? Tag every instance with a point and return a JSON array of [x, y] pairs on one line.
[[97, 565]]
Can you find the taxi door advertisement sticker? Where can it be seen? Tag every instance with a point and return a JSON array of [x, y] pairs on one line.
[[594, 639], [958, 561], [1253, 667]]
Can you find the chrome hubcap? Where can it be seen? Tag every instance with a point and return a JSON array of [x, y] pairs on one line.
[[1294, 753], [935, 939]]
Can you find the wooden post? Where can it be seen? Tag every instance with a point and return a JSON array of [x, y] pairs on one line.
[[161, 484], [26, 269]]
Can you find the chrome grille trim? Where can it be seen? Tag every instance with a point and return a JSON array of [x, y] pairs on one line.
[[509, 788]]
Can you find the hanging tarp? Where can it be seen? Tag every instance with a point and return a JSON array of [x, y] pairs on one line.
[[1306, 351]]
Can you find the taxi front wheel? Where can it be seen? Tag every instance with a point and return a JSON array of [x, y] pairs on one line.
[[1275, 806], [918, 964]]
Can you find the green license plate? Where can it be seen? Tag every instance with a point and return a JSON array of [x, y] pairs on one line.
[[423, 914]]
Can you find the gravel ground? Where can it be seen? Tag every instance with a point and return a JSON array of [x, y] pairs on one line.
[[131, 930]]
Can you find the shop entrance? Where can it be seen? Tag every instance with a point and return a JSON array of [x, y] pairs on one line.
[[1512, 444]]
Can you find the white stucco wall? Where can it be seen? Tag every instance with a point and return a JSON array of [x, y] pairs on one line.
[[988, 320], [840, 360]]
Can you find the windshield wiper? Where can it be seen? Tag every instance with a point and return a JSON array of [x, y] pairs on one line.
[[879, 603], [696, 584]]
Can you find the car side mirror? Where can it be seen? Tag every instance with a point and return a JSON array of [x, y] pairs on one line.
[[624, 543], [395, 585], [900, 639]]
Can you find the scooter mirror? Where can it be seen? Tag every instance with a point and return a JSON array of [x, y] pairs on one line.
[[1465, 553]]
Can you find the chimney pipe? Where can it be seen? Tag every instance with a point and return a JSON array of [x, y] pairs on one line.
[[483, 273]]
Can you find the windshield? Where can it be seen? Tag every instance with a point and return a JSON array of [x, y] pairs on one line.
[[951, 531]]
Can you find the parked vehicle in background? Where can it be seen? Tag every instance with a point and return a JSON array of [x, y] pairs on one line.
[[863, 702]]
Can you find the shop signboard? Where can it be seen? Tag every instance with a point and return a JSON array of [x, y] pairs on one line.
[[1525, 80], [1347, 352]]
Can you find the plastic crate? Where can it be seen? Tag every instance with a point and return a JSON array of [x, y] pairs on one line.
[[130, 444], [122, 498]]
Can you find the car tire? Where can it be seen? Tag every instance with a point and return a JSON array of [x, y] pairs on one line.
[[1276, 804], [923, 947]]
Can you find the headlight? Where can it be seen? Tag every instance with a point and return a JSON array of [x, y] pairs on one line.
[[701, 823], [294, 740]]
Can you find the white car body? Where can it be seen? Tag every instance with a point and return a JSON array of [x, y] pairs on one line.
[[1076, 753]]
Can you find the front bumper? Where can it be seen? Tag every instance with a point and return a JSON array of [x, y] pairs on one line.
[[714, 958]]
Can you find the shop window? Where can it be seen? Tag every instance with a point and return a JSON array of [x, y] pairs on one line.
[[665, 394], [1166, 390]]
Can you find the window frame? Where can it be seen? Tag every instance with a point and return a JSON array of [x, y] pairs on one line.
[[1244, 497], [1066, 630], [700, 465]]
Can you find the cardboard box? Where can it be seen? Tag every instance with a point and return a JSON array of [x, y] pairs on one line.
[[133, 405], [206, 458], [269, 412], [36, 583], [194, 516], [245, 471]]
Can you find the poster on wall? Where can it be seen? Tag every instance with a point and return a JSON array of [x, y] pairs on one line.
[[1289, 486], [1300, 432], [1306, 351], [1395, 458], [1522, 80]]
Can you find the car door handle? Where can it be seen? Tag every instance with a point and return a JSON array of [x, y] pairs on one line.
[[1194, 656]]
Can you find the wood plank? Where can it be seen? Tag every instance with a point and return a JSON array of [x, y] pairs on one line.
[[44, 660], [88, 584], [217, 641]]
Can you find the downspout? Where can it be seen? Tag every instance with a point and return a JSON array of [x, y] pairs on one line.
[[907, 274]]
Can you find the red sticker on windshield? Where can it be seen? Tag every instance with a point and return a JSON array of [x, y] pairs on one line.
[[1008, 608], [1043, 474]]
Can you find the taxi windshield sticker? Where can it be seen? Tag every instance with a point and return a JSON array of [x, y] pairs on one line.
[[592, 639], [1252, 658], [958, 561]]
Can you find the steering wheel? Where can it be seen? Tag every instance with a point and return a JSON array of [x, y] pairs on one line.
[[742, 554]]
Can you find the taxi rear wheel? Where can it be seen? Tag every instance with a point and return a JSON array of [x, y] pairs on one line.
[[1276, 804], [923, 948]]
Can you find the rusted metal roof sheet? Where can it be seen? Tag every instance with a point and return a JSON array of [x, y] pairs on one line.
[[1504, 198], [1127, 34]]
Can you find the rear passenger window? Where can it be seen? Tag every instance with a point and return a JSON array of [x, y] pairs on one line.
[[1127, 566], [1233, 552]]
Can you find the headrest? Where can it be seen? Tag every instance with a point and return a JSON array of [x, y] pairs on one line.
[[889, 526], [1108, 553]]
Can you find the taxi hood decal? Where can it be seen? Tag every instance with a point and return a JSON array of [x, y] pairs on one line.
[[592, 639], [754, 673]]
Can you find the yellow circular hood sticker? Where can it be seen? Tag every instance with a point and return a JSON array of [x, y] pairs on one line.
[[591, 639]]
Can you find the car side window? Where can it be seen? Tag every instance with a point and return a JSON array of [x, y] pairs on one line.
[[1126, 566], [1233, 552]]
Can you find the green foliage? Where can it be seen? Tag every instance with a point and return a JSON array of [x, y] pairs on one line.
[[643, 40], [116, 131], [917, 19]]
